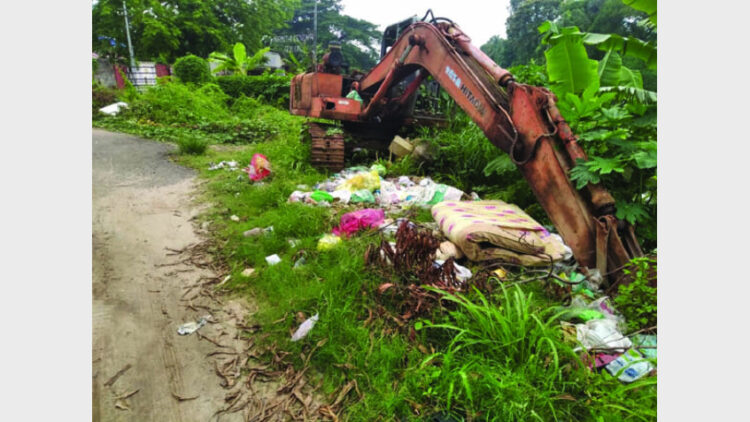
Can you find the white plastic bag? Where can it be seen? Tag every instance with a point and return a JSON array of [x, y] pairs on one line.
[[601, 333], [305, 328], [113, 109], [193, 326], [273, 259]]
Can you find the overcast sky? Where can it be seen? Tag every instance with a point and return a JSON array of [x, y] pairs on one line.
[[479, 19]]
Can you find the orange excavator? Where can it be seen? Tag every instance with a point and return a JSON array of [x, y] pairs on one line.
[[521, 120]]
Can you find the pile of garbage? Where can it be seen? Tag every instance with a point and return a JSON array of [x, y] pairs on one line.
[[465, 227], [598, 329], [258, 169], [366, 185]]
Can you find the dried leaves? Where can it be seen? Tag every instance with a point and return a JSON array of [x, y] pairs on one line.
[[410, 265]]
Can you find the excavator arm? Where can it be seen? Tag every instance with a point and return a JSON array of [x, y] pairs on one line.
[[519, 119]]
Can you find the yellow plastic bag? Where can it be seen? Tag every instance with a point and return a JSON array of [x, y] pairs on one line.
[[328, 242], [364, 180]]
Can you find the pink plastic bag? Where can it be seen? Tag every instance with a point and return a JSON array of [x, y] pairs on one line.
[[354, 221], [259, 167]]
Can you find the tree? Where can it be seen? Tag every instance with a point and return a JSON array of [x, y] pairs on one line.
[[359, 38], [521, 29], [495, 48], [167, 29]]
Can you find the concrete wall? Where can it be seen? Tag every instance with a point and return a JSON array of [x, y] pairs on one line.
[[105, 74]]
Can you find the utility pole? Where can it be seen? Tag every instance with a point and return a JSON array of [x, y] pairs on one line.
[[315, 37], [127, 31]]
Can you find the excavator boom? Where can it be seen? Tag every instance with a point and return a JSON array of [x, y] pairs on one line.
[[520, 119]]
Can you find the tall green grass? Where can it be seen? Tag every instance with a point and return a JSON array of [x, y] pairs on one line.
[[505, 359]]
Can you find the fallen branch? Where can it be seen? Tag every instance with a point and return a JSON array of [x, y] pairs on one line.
[[183, 398], [117, 375]]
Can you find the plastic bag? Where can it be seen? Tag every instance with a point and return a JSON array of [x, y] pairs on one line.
[[259, 167], [630, 366], [328, 242], [299, 196], [389, 193], [191, 327], [305, 328], [362, 195], [113, 109], [379, 168], [369, 180], [344, 196], [319, 195], [646, 344], [354, 221], [601, 333], [273, 259], [405, 181]]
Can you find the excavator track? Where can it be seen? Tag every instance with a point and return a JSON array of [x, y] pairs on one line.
[[327, 149]]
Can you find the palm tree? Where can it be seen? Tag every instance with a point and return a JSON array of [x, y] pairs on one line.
[[240, 63]]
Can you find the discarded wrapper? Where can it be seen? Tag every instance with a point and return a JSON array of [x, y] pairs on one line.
[[247, 272], [630, 366], [305, 328], [234, 218], [229, 165], [191, 327]]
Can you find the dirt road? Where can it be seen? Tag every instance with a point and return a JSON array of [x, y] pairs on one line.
[[142, 205]]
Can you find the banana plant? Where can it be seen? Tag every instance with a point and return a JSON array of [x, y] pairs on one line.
[[239, 63]]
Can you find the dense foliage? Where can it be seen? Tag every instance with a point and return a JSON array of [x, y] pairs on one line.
[[521, 42], [637, 300], [165, 30], [270, 87], [192, 69]]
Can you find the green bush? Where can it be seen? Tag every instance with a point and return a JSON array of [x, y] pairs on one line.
[[272, 88], [637, 300], [102, 96], [191, 144], [179, 103], [192, 69]]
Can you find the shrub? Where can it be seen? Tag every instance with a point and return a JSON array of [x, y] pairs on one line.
[[178, 103], [101, 96], [192, 69], [191, 144], [272, 88], [637, 300], [245, 106]]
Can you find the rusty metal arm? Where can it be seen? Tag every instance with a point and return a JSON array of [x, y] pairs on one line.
[[521, 120]]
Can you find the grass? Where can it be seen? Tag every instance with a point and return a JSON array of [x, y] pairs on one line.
[[498, 356], [191, 145]]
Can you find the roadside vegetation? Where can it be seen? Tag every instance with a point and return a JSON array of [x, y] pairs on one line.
[[496, 353]]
